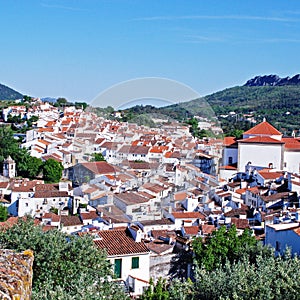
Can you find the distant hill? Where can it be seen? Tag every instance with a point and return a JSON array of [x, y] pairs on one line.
[[273, 80], [278, 103], [7, 93]]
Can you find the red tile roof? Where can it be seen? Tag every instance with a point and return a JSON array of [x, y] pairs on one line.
[[191, 230], [118, 242], [208, 229], [229, 141], [240, 223], [89, 215], [188, 215], [99, 167], [70, 220], [261, 140], [263, 128], [291, 143]]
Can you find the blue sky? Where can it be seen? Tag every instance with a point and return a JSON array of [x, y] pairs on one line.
[[78, 48]]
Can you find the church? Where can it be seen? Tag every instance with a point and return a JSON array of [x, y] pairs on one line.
[[262, 146]]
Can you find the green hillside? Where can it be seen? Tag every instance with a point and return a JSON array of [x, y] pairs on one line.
[[280, 105], [7, 93]]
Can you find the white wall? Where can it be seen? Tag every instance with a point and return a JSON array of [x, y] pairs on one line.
[[143, 272], [260, 155], [286, 238], [292, 160], [227, 152]]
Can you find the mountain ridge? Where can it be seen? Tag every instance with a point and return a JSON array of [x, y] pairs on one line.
[[273, 80], [7, 93]]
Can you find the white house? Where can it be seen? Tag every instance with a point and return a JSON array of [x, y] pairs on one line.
[[130, 259], [283, 235], [263, 147]]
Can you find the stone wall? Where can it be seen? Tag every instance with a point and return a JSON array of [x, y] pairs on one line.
[[160, 266], [15, 275]]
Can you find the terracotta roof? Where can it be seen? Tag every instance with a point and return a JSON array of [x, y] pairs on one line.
[[230, 141], [158, 149], [263, 128], [159, 247], [139, 165], [276, 196], [110, 145], [191, 230], [291, 143], [52, 216], [89, 215], [163, 221], [240, 223], [270, 175], [131, 198], [235, 212], [99, 167], [4, 185], [50, 194], [229, 167], [70, 220], [208, 229], [153, 187], [180, 196], [261, 140], [134, 149], [163, 233], [118, 242], [188, 215], [297, 231]]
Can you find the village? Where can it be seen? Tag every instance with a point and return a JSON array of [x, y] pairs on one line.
[[155, 188]]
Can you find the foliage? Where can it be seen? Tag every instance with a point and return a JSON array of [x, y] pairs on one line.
[[3, 213], [82, 105], [29, 166], [8, 145], [268, 278], [98, 157], [279, 104], [26, 165], [158, 291], [52, 170], [223, 245], [232, 267], [64, 267]]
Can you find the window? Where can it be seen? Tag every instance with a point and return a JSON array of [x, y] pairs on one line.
[[135, 263], [230, 160], [278, 246]]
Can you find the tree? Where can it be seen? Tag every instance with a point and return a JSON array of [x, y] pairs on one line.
[[98, 157], [223, 245], [158, 291], [64, 267], [8, 145], [83, 105], [3, 213], [52, 170], [268, 278]]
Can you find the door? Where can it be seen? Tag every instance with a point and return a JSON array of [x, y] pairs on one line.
[[118, 268]]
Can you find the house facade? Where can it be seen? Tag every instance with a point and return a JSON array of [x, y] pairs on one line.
[[130, 259]]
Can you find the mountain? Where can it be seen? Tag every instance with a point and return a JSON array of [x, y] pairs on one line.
[[7, 93], [49, 99], [235, 108], [273, 80]]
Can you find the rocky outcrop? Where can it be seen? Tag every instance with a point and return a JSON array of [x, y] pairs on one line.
[[15, 275], [273, 80]]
